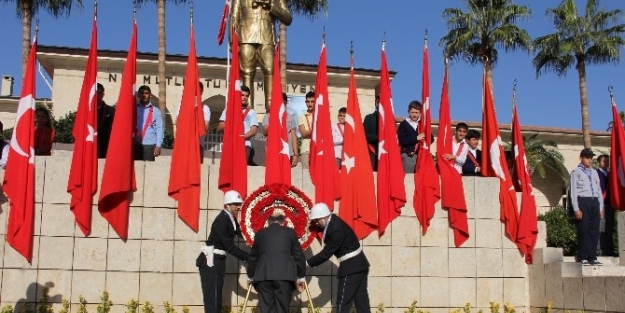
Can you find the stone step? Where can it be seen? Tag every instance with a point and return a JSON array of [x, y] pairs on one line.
[[576, 269], [606, 260]]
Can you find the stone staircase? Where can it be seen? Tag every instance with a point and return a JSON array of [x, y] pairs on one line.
[[569, 285]]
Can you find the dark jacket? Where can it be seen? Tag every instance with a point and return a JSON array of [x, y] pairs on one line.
[[276, 255], [605, 187], [468, 168], [407, 137], [222, 237], [371, 130], [339, 240], [106, 114]]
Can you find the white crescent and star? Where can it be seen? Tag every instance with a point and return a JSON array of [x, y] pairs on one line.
[[26, 103], [285, 148], [348, 162], [381, 150], [91, 133], [621, 172], [495, 160], [92, 92]]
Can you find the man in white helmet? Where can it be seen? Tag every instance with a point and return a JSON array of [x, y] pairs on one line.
[[341, 241], [212, 260]]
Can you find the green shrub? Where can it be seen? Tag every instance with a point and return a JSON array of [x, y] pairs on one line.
[[43, 306], [64, 306], [168, 140], [82, 304], [147, 307], [63, 128], [105, 303], [561, 233], [132, 306], [6, 309], [7, 134]]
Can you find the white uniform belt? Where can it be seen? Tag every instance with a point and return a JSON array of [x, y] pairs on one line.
[[350, 255], [209, 251]]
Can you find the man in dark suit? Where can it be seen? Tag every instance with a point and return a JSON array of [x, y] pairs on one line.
[[471, 166], [276, 263], [370, 124], [341, 241], [606, 240], [212, 260]]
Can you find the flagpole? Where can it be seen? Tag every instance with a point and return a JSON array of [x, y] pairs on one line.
[[513, 99], [610, 89], [351, 54]]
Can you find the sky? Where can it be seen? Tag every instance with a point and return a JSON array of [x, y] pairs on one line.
[[549, 100]]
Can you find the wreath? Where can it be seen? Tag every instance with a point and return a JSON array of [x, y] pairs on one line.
[[286, 199]]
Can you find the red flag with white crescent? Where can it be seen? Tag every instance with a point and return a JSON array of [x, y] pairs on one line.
[[222, 25], [452, 188], [118, 178], [358, 203], [427, 186], [186, 171], [19, 177], [323, 169], [494, 164], [83, 174], [528, 220], [391, 187], [616, 179], [233, 167], [278, 167]]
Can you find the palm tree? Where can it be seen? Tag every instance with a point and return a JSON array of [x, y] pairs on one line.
[[307, 8], [542, 156], [162, 48], [487, 25], [594, 38], [27, 9]]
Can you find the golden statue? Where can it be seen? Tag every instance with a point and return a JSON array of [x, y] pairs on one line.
[[254, 22]]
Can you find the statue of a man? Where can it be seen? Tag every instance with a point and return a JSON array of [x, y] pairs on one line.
[[254, 22]]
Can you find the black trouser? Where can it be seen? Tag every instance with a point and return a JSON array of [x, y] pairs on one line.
[[607, 240], [275, 295], [212, 279], [588, 228], [353, 289], [144, 152], [374, 161]]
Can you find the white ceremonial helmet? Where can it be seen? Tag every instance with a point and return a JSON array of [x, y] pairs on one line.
[[231, 197], [319, 210]]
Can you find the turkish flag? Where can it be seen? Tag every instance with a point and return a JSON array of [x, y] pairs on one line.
[[83, 175], [233, 167], [118, 178], [222, 24], [391, 187], [452, 188], [278, 168], [528, 221], [358, 204], [19, 177], [323, 169], [427, 186], [616, 179], [185, 172], [494, 164]]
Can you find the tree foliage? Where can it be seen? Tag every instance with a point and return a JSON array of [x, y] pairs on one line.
[[488, 25]]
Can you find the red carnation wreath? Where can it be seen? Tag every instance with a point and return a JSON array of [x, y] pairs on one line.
[[291, 201]]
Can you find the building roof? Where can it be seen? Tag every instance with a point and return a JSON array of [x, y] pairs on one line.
[[535, 129], [44, 49]]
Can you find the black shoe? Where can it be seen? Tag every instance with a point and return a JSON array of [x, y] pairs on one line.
[[595, 263], [585, 262]]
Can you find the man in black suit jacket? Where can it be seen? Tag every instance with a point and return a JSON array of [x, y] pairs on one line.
[[471, 166], [276, 263], [212, 260], [341, 241], [606, 240]]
